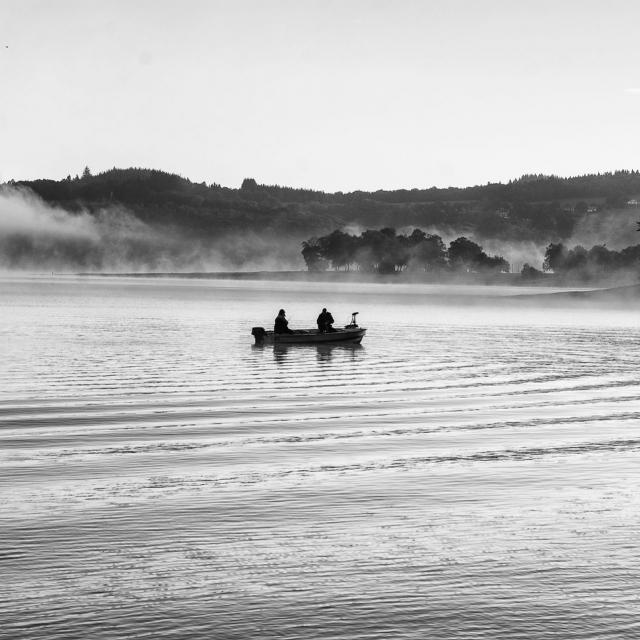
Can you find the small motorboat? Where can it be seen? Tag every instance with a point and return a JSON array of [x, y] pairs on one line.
[[351, 333]]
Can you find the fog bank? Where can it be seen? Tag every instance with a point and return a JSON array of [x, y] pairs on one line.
[[35, 235]]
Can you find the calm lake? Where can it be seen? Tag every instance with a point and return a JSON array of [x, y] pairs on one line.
[[471, 471]]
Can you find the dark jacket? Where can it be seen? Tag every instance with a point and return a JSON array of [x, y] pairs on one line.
[[281, 325], [325, 320]]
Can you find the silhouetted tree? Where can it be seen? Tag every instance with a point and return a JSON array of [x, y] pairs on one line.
[[430, 253], [496, 264], [464, 254], [312, 256], [601, 258], [338, 248], [576, 258], [554, 257], [249, 184]]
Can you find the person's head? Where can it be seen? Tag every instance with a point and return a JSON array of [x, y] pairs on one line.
[[281, 312], [324, 310]]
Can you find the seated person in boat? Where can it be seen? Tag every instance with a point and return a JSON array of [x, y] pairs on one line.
[[325, 322], [281, 324]]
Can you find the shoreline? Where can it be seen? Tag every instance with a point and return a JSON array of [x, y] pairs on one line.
[[499, 280], [558, 292], [575, 293], [505, 279]]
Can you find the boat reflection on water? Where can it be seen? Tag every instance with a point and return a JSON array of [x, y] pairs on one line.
[[324, 352]]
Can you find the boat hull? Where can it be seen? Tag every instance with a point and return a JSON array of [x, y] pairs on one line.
[[312, 336]]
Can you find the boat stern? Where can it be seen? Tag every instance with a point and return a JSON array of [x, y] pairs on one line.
[[259, 334]]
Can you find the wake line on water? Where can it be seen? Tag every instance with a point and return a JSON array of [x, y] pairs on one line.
[[398, 463], [155, 420], [384, 386], [174, 486], [145, 449]]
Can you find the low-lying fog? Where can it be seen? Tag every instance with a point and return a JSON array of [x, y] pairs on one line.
[[35, 236]]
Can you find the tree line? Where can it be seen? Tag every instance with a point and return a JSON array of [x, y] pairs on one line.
[[536, 208], [590, 264], [385, 251], [611, 185]]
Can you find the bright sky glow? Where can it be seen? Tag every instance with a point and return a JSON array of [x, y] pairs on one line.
[[332, 95]]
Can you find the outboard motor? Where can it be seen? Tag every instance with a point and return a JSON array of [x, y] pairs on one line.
[[353, 324], [258, 333]]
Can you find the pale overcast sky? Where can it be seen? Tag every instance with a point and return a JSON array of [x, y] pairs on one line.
[[333, 95]]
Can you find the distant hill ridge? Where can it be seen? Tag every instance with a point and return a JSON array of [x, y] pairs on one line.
[[139, 182], [534, 207]]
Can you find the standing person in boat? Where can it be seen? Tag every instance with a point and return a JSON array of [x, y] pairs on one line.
[[325, 322], [281, 324]]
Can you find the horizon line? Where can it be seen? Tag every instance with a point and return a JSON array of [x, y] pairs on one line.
[[534, 177]]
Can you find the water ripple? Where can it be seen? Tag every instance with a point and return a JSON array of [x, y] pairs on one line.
[[463, 474]]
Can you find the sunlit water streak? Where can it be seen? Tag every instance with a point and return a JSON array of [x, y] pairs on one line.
[[471, 471]]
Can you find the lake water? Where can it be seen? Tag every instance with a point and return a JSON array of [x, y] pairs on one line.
[[470, 471]]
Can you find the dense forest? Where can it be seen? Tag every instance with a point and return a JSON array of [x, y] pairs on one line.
[[532, 207], [157, 220]]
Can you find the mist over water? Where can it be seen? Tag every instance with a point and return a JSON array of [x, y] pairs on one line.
[[468, 472], [35, 236]]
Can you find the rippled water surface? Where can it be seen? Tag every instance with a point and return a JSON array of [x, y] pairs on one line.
[[470, 471]]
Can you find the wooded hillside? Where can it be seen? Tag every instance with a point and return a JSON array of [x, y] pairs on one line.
[[150, 219], [538, 208]]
